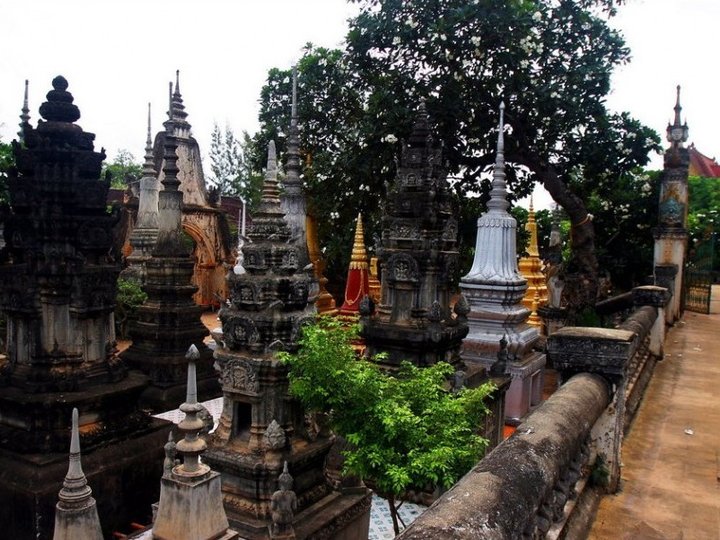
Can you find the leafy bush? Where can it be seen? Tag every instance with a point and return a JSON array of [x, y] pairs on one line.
[[405, 430], [129, 297]]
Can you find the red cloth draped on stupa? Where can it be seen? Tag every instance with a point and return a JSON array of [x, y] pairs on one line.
[[356, 286]]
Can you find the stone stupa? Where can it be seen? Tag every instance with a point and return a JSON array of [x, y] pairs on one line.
[[494, 290]]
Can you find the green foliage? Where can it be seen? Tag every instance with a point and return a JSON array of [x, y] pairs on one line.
[[405, 431], [231, 169], [704, 221], [124, 170], [549, 61], [129, 297], [625, 213], [6, 161]]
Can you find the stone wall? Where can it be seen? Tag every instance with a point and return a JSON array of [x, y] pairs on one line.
[[536, 483]]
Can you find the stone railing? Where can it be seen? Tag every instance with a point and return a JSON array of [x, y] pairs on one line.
[[533, 484]]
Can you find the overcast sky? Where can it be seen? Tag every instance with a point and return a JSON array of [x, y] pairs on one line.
[[118, 55]]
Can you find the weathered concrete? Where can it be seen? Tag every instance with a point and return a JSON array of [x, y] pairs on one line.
[[670, 478], [502, 495]]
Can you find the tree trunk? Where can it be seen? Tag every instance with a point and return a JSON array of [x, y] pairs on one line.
[[581, 271], [393, 513]]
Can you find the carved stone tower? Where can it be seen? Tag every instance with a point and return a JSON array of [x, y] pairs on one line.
[[57, 290], [671, 234], [494, 289], [418, 257], [261, 427], [202, 220], [169, 321]]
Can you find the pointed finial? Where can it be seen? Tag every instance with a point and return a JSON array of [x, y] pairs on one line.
[[75, 433], [677, 133], [149, 164], [678, 107], [193, 355], [531, 210], [498, 193], [293, 110], [293, 169], [75, 486], [177, 82], [149, 126], [359, 258], [272, 159], [170, 100], [24, 116], [501, 134]]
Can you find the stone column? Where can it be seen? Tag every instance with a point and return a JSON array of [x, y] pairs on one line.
[[671, 233], [659, 298], [606, 352]]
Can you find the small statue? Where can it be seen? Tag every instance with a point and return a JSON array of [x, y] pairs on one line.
[[170, 453], [458, 381], [498, 368], [282, 507]]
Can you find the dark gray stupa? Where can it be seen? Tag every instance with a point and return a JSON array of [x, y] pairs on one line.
[[58, 275]]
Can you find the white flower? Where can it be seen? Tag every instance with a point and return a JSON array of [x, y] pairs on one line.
[[537, 16], [411, 22], [396, 40], [475, 40], [524, 64], [390, 138]]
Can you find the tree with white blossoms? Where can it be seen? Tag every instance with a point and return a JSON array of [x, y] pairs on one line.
[[230, 169], [549, 60]]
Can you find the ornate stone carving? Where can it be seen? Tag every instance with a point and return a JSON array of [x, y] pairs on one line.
[[239, 375], [274, 438]]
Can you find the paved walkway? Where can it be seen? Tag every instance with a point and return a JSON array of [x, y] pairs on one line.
[[671, 457]]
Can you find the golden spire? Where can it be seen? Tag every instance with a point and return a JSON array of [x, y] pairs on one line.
[[359, 258], [531, 227]]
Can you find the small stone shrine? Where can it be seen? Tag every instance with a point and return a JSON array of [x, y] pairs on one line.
[[261, 427], [145, 232], [418, 257], [76, 513], [531, 268], [671, 233], [494, 289], [57, 291], [169, 320], [190, 506]]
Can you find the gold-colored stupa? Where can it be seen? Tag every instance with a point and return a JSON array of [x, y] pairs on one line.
[[325, 303], [531, 269]]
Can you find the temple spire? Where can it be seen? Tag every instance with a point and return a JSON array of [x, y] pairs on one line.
[[76, 513], [498, 193], [192, 445], [149, 165], [270, 192], [25, 116], [293, 169], [359, 258], [677, 133], [177, 110]]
